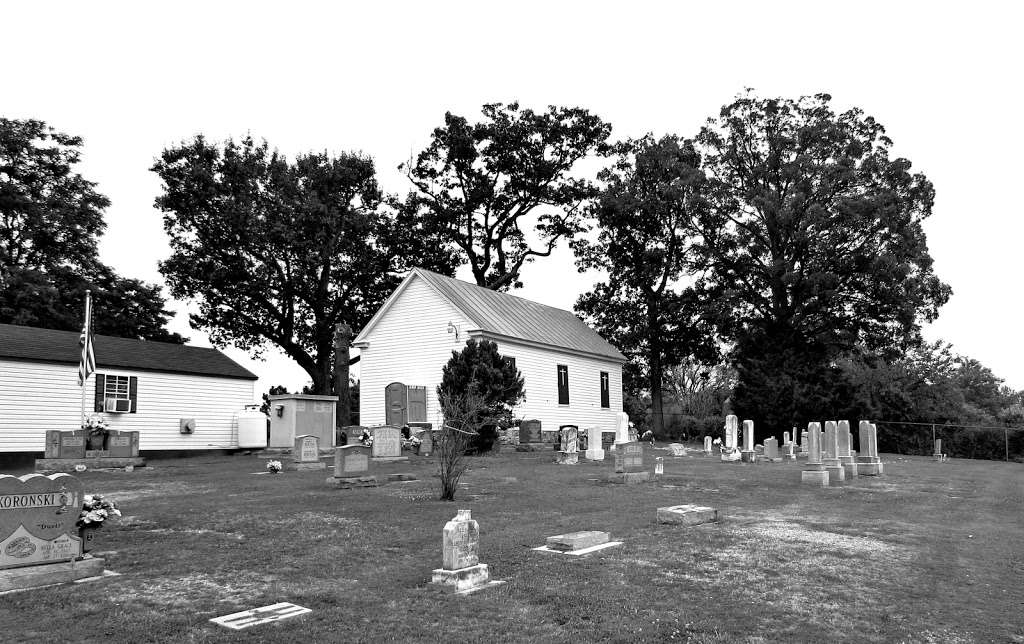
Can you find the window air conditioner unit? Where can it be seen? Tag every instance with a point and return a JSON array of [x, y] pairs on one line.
[[117, 405]]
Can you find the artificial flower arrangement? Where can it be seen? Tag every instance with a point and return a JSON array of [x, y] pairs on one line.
[[96, 510], [96, 427], [274, 467]]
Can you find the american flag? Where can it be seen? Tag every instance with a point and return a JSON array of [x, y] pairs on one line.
[[88, 363]]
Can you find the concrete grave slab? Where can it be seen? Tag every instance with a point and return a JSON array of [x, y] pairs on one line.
[[273, 613], [687, 515], [577, 540]]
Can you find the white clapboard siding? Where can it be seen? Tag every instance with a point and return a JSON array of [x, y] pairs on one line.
[[41, 396], [409, 344], [538, 367]]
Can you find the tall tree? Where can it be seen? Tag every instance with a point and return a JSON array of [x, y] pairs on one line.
[[644, 216], [50, 222], [486, 189], [276, 252], [815, 243]]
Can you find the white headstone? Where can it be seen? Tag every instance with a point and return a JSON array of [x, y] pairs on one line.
[[621, 428], [732, 430], [594, 450]]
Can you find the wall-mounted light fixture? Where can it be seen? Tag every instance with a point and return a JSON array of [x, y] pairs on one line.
[[453, 329]]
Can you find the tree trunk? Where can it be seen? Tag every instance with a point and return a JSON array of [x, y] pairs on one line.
[[654, 369], [342, 339]]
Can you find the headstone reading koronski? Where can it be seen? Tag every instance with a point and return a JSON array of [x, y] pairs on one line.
[[868, 462], [830, 453], [460, 547], [707, 446], [306, 454], [814, 470], [39, 541], [387, 443], [845, 453], [595, 450], [748, 452], [352, 467], [569, 454]]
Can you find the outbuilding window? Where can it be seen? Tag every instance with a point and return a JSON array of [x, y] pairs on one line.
[[563, 384]]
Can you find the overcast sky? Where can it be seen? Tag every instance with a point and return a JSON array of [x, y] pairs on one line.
[[135, 77]]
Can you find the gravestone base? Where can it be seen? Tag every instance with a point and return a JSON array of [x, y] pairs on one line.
[[629, 478], [389, 459], [937, 458], [577, 540], [94, 463], [817, 478], [462, 579], [568, 458], [687, 515], [748, 457], [401, 476], [850, 470], [596, 454], [49, 574], [531, 447], [345, 483], [305, 467], [869, 466], [836, 474]]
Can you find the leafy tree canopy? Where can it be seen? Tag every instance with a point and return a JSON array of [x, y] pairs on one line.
[[486, 188], [644, 219], [279, 252], [814, 242], [50, 222]]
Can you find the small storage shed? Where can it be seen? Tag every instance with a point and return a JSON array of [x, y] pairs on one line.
[[572, 375], [178, 397]]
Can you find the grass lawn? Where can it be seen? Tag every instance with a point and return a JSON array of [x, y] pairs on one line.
[[927, 553]]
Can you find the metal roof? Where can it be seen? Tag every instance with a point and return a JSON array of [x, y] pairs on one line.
[[514, 317], [48, 345]]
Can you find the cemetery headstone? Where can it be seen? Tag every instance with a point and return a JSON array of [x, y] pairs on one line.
[[844, 453], [771, 450], [732, 429], [461, 567], [387, 443], [39, 541], [937, 454], [569, 454], [306, 454], [574, 541], [595, 444], [352, 467], [748, 452], [707, 446], [789, 451], [814, 470], [803, 442], [426, 441], [659, 466], [868, 462], [785, 438], [531, 436], [629, 464], [830, 454], [621, 428]]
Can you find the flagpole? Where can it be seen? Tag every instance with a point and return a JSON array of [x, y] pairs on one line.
[[86, 332]]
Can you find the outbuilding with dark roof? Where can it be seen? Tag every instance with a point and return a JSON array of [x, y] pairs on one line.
[[179, 397]]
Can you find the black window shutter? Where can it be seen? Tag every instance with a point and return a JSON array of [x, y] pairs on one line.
[[133, 390], [98, 399], [563, 384], [604, 390]]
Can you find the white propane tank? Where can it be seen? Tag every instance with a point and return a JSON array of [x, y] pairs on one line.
[[252, 428]]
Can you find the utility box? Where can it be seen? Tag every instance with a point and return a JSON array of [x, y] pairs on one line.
[[294, 415]]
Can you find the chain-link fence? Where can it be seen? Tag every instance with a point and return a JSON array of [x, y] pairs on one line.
[[958, 441]]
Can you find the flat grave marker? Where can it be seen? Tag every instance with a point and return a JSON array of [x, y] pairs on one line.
[[264, 615]]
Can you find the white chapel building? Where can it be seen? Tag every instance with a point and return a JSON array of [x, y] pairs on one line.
[[571, 375]]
